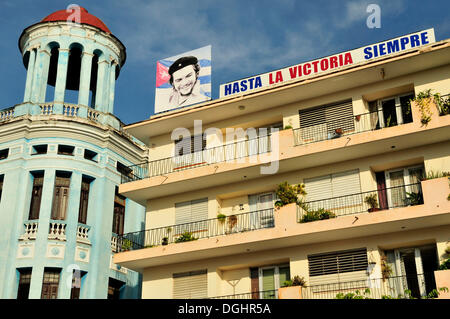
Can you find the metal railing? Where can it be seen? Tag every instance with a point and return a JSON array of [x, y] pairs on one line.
[[392, 197], [265, 294], [415, 286], [231, 224], [349, 125], [223, 153]]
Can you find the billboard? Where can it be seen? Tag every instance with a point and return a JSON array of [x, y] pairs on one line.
[[328, 64], [183, 80]]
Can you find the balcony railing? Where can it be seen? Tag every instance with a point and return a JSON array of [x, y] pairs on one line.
[[31, 228], [57, 230], [415, 286], [392, 197], [231, 224], [83, 233], [445, 106], [223, 153], [266, 294], [350, 125]]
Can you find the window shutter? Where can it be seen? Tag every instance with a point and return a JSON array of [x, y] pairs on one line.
[[318, 188], [190, 285], [345, 183], [284, 275], [36, 196], [191, 211], [318, 123], [268, 279], [339, 266]]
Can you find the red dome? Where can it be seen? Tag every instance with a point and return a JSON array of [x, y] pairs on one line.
[[85, 18]]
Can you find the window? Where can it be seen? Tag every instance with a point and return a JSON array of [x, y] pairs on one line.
[[190, 285], [60, 196], [191, 211], [50, 283], [4, 154], [124, 170], [36, 195], [401, 183], [66, 149], [114, 287], [271, 278], [90, 155], [24, 283], [76, 284], [119, 213], [320, 123], [39, 149], [337, 262], [191, 145], [84, 199], [392, 111]]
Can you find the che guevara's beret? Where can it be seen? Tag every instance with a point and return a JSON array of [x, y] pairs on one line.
[[181, 63]]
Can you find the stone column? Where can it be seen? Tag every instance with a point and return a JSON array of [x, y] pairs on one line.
[[99, 92], [85, 78], [61, 79], [43, 68], [112, 85], [30, 72]]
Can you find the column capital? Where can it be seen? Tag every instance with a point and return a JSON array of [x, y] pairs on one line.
[[87, 53], [45, 51]]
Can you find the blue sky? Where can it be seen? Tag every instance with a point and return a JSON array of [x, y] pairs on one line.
[[248, 37]]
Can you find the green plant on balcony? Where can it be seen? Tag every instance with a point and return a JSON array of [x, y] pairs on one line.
[[126, 245], [287, 127], [288, 194], [445, 265], [296, 281], [354, 295], [165, 241], [372, 201], [386, 269], [221, 218], [423, 100], [184, 237], [414, 198], [313, 215], [433, 175]]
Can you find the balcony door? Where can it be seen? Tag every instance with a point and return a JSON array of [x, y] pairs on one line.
[[401, 183], [412, 269], [261, 206], [271, 278], [395, 110]]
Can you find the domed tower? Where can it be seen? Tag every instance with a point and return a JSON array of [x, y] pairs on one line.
[[71, 50], [62, 155]]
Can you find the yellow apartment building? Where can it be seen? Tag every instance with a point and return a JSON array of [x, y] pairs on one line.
[[351, 134]]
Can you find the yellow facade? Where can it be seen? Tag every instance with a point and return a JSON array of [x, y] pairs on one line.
[[408, 234]]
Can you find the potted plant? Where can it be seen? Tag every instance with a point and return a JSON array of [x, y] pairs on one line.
[[386, 269], [292, 289], [165, 241], [372, 201], [357, 118], [288, 194], [184, 237], [221, 218], [232, 221]]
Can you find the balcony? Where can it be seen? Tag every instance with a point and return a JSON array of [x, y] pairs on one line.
[[219, 154], [395, 287], [345, 126], [31, 228], [57, 230], [386, 198], [287, 231], [231, 224]]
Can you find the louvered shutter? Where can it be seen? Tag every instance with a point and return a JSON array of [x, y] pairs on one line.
[[190, 285], [183, 212], [321, 122], [199, 210], [337, 267], [284, 275], [318, 188]]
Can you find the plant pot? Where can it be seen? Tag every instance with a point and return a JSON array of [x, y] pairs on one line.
[[165, 241], [293, 292], [371, 210]]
